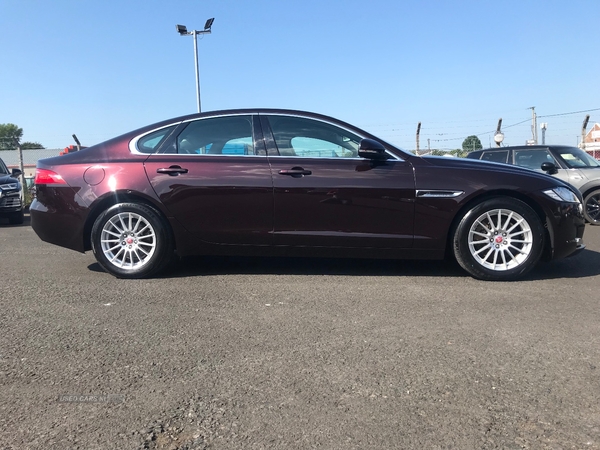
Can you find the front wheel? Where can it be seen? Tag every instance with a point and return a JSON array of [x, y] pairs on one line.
[[500, 239], [131, 240], [591, 207]]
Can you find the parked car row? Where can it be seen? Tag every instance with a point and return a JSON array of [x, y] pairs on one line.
[[281, 182], [570, 164], [11, 199]]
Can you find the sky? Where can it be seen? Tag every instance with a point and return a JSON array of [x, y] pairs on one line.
[[98, 69]]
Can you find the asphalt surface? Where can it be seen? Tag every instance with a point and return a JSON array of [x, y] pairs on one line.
[[243, 353]]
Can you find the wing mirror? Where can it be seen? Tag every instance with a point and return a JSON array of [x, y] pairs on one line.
[[549, 168], [371, 149], [15, 173]]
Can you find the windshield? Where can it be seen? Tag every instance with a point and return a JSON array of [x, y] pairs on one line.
[[574, 157]]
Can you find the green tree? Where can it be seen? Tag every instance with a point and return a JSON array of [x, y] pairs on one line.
[[10, 136], [31, 145], [459, 153], [471, 143]]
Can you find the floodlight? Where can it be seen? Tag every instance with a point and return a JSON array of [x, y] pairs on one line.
[[208, 24], [182, 29]]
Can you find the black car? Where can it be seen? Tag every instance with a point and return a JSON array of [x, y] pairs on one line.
[[11, 200], [570, 164]]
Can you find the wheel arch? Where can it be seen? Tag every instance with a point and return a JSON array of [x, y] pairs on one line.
[[588, 188], [549, 238], [115, 198]]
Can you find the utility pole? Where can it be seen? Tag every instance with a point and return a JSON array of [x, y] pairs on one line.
[[583, 127], [543, 127], [533, 126], [418, 133]]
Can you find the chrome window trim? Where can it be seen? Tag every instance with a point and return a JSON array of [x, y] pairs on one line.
[[397, 158], [133, 143]]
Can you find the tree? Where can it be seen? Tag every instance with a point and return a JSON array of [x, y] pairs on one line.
[[10, 136], [471, 143], [31, 145]]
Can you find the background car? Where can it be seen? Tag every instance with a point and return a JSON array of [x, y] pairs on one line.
[[11, 199], [280, 182], [570, 164]]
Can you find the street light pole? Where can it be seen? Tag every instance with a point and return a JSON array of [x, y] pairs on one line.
[[182, 30]]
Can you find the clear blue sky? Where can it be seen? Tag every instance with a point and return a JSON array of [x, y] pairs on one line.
[[102, 68]]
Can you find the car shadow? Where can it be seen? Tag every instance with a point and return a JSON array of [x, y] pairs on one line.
[[584, 265], [234, 265], [4, 222]]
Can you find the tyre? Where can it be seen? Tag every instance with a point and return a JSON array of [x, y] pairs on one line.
[[500, 239], [131, 240], [591, 207], [16, 218]]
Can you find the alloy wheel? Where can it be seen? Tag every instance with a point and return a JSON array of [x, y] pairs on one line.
[[128, 240], [500, 239]]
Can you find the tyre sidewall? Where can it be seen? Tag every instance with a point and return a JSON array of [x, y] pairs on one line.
[[588, 197], [470, 264], [162, 253]]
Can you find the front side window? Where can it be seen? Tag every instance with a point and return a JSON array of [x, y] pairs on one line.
[[217, 136], [307, 138], [533, 159]]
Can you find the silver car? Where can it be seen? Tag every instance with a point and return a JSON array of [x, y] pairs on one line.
[[570, 164]]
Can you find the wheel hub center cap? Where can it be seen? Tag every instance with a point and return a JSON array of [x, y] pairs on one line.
[[129, 240], [499, 239]]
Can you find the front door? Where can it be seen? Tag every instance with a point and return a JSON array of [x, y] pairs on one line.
[[326, 196]]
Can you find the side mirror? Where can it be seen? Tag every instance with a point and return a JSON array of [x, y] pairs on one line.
[[16, 173], [371, 149], [549, 168]]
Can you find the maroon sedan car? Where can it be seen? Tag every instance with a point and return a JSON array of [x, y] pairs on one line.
[[279, 182]]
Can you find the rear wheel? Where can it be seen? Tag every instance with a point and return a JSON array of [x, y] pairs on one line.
[[499, 239], [131, 240], [591, 207]]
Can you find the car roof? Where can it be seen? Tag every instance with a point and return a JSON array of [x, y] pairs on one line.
[[522, 147]]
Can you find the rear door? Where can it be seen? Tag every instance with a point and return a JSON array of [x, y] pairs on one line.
[[215, 180], [326, 196]]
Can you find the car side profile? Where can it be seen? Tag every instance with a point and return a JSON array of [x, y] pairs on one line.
[[293, 183], [11, 199], [570, 164]]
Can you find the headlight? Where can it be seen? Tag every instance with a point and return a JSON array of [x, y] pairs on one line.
[[562, 194]]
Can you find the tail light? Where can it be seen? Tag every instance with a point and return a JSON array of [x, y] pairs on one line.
[[45, 176]]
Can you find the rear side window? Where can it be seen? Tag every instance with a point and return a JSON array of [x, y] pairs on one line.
[[500, 157], [217, 136], [151, 142]]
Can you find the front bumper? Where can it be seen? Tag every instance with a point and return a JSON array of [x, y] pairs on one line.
[[566, 226]]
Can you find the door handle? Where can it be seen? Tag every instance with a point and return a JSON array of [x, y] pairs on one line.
[[295, 172], [173, 170]]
